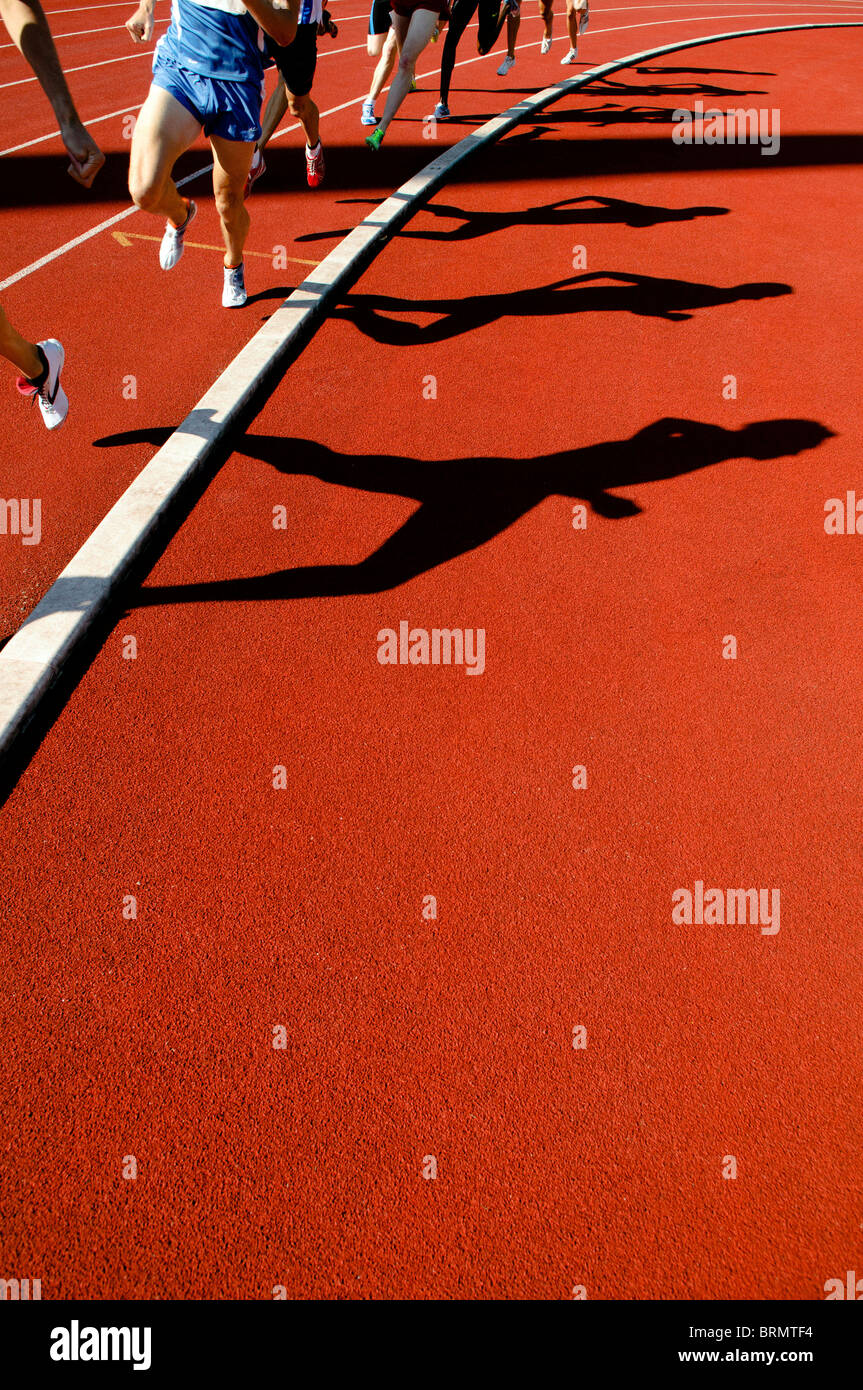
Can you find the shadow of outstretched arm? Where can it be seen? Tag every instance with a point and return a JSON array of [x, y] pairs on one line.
[[429, 538]]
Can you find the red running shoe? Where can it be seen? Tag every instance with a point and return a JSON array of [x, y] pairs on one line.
[[315, 166]]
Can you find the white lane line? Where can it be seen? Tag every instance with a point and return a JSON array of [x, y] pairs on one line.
[[80, 33], [334, 52], [120, 28], [94, 231], [55, 134], [87, 67], [285, 130], [85, 9], [32, 659]]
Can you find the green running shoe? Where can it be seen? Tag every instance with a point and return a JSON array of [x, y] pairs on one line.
[[374, 140]]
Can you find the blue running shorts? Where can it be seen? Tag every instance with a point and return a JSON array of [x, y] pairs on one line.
[[230, 110]]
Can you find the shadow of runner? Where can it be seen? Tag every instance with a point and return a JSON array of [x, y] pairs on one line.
[[466, 502], [648, 296], [565, 212]]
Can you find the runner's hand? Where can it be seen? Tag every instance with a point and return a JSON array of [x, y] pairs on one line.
[[140, 26], [85, 157]]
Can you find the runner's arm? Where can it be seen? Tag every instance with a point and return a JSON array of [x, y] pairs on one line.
[[28, 30], [278, 18], [140, 25]]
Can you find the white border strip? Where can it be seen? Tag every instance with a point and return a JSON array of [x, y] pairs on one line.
[[32, 659]]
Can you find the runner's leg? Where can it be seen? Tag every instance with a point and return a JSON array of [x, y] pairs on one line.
[[17, 350], [492, 14], [546, 11], [231, 161], [463, 12], [304, 110], [412, 35], [572, 16], [164, 130], [386, 63], [275, 110]]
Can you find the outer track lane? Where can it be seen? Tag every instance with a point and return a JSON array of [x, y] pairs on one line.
[[453, 1038]]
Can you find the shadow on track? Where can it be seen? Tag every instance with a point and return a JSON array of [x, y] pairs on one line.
[[647, 296], [566, 212], [463, 503], [31, 180], [609, 113], [613, 86], [466, 502]]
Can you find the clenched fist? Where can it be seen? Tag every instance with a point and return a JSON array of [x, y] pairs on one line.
[[140, 26]]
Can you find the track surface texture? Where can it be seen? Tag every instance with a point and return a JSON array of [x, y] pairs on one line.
[[430, 1127]]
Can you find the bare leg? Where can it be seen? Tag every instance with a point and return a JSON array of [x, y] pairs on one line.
[[572, 15], [17, 350], [164, 130], [386, 63], [275, 110], [412, 37], [547, 15], [231, 161], [304, 110]]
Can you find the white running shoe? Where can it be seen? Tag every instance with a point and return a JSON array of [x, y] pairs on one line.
[[171, 248], [53, 401], [505, 66], [571, 57], [584, 18], [545, 46], [234, 291], [368, 116]]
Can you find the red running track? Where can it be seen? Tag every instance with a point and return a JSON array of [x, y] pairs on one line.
[[407, 1037]]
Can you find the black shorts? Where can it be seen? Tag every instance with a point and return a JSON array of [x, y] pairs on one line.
[[298, 60], [491, 20], [379, 19]]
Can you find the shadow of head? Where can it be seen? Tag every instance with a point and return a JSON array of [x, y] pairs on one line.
[[770, 439], [762, 289]]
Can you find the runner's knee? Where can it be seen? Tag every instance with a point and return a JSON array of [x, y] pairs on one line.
[[229, 202], [145, 189]]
